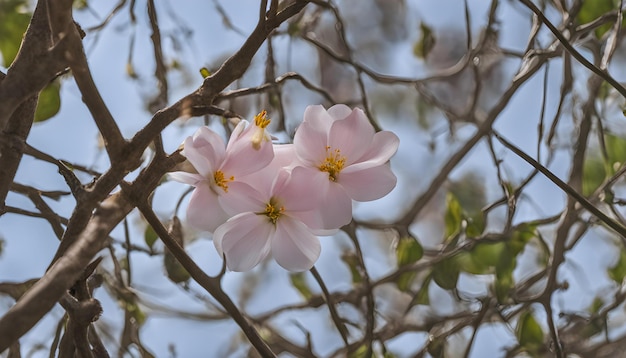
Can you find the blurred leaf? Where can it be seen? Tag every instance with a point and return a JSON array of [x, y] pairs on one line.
[[469, 190], [14, 19], [361, 352], [616, 151], [136, 312], [520, 237], [150, 236], [436, 347], [408, 251], [592, 9], [488, 253], [298, 281], [422, 297], [174, 269], [504, 274], [49, 102], [618, 271], [205, 72], [446, 273], [425, 43], [596, 168], [475, 225], [453, 218], [596, 305], [529, 332], [594, 173], [467, 264], [80, 4], [353, 264]]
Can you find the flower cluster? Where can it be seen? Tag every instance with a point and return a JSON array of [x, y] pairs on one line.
[[258, 198]]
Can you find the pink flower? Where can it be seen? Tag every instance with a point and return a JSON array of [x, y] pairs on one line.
[[219, 168], [270, 221], [342, 146]]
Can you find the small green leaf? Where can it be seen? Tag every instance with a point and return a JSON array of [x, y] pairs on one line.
[[353, 264], [422, 297], [408, 251], [205, 72], [529, 333], [13, 23], [150, 236], [298, 281], [361, 352], [446, 273], [618, 271], [488, 253], [49, 102], [593, 9], [453, 218], [436, 347], [176, 272], [426, 42]]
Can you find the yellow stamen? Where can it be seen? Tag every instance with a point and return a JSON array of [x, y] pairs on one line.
[[221, 181], [261, 122], [333, 163], [273, 211]]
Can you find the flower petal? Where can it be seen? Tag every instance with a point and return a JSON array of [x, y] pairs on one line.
[[244, 240], [294, 247], [242, 157], [352, 135], [205, 151], [204, 211], [241, 197], [339, 111], [334, 211], [368, 184], [302, 190], [187, 178], [383, 147], [311, 137]]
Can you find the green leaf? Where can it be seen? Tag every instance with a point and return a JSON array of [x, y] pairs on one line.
[[446, 273], [425, 43], [520, 237], [175, 271], [13, 23], [592, 9], [408, 251], [353, 264], [49, 102], [618, 271], [422, 297], [436, 347], [298, 281], [453, 218], [529, 332], [488, 253], [150, 236], [205, 72], [467, 264]]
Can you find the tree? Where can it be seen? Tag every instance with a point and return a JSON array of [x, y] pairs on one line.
[[504, 235]]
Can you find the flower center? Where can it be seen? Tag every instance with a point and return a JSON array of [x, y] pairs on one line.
[[333, 163], [222, 181], [273, 211]]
